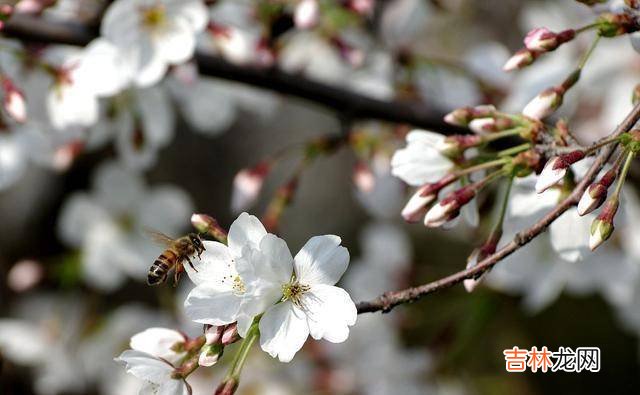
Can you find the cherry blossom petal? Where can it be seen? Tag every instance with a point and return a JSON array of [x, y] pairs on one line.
[[210, 304], [213, 266], [321, 260], [330, 311], [246, 229], [157, 342], [146, 367], [420, 162], [283, 331]]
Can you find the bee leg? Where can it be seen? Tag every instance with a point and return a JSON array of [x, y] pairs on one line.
[[176, 274], [191, 264]]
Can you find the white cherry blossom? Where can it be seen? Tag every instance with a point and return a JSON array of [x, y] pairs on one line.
[[420, 162], [157, 373], [151, 35]]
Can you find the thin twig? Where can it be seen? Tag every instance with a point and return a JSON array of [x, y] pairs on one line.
[[389, 300], [340, 100]]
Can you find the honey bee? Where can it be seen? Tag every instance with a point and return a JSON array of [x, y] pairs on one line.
[[178, 250]]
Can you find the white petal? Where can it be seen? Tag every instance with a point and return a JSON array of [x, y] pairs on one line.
[[330, 311], [22, 342], [78, 213], [419, 162], [214, 264], [157, 342], [207, 304], [246, 229], [278, 265], [145, 366], [283, 331], [166, 207], [570, 235], [177, 44], [321, 260]]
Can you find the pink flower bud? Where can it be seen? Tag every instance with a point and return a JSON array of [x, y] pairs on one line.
[[363, 177], [210, 354], [25, 275], [478, 255], [13, 102], [247, 185], [454, 146], [449, 207], [602, 226], [462, 116], [362, 7], [545, 104], [592, 198], [490, 124], [520, 59], [230, 334], [213, 334], [306, 14], [555, 170], [540, 39], [416, 207], [206, 224], [64, 156]]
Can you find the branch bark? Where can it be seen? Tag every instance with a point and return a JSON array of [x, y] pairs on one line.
[[389, 300], [343, 101]]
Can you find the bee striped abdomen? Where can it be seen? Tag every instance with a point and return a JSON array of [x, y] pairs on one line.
[[160, 268]]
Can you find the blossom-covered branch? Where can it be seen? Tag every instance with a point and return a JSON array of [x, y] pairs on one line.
[[389, 300], [349, 104]]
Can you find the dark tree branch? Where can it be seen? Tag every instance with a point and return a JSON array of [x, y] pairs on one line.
[[389, 300], [343, 101]]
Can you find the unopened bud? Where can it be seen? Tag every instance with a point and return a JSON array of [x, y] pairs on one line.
[[13, 102], [210, 354], [602, 226], [306, 14], [520, 59], [230, 334], [227, 387], [417, 205], [454, 146], [545, 104], [363, 177], [213, 334], [362, 7], [463, 116], [208, 225], [490, 125], [555, 169], [542, 39], [247, 185], [64, 155], [611, 25], [449, 207], [592, 198], [24, 275], [478, 255]]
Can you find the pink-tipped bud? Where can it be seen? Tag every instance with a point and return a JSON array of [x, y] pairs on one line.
[[206, 224], [555, 170], [25, 275], [592, 198], [449, 208], [520, 59], [454, 146], [247, 185], [362, 7], [542, 39], [363, 177], [417, 205], [478, 255], [602, 226], [230, 334], [463, 116], [65, 155], [14, 103], [490, 125], [227, 387], [545, 104], [210, 354], [213, 334], [306, 14]]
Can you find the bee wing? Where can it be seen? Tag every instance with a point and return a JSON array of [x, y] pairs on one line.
[[159, 237]]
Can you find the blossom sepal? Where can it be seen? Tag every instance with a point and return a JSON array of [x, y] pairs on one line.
[[555, 169]]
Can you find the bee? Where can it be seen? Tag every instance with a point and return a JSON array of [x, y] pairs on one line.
[[178, 250]]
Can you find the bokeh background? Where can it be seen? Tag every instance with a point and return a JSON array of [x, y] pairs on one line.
[[63, 324]]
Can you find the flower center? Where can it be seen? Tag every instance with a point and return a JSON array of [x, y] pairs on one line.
[[238, 285], [293, 291], [153, 16]]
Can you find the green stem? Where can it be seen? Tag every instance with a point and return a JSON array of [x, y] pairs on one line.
[[498, 135], [497, 228], [514, 150], [587, 54], [623, 173], [243, 352], [587, 27], [481, 166], [600, 144]]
